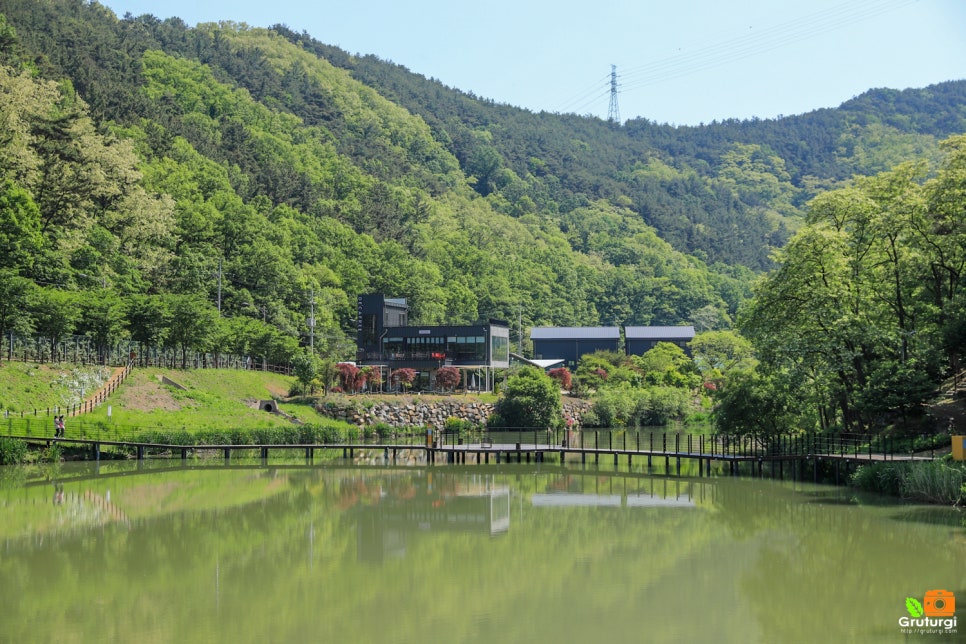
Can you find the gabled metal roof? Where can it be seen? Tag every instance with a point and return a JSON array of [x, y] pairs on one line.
[[658, 332], [575, 333]]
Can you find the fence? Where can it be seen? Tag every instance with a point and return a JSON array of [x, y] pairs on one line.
[[79, 349]]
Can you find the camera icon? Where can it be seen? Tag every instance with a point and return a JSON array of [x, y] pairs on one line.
[[939, 603]]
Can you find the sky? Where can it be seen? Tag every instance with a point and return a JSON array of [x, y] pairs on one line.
[[680, 62]]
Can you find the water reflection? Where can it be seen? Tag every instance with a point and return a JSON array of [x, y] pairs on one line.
[[510, 553]]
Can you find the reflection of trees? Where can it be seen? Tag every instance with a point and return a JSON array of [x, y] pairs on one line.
[[828, 565], [268, 554]]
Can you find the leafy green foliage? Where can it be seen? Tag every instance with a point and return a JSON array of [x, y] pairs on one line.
[[156, 164], [928, 481], [860, 319], [12, 451], [531, 400]]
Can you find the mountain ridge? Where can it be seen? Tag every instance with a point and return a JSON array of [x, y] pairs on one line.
[[287, 167]]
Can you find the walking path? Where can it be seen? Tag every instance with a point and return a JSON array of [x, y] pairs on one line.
[[99, 396]]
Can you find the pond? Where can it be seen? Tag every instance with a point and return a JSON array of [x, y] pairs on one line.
[[161, 551]]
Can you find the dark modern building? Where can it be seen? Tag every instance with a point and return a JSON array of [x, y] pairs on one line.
[[638, 340], [570, 343], [386, 340]]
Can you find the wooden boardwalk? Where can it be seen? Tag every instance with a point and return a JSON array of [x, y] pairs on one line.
[[482, 453]]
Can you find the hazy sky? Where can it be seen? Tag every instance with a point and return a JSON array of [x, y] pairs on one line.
[[678, 61]]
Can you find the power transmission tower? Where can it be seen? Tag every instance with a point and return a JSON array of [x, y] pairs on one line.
[[613, 113]]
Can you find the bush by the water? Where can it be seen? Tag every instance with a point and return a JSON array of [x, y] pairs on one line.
[[307, 434], [12, 451], [938, 481]]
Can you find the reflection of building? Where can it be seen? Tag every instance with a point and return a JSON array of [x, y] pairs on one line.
[[563, 499], [430, 503], [385, 340]]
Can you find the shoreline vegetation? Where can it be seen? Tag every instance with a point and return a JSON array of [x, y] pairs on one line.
[[220, 410]]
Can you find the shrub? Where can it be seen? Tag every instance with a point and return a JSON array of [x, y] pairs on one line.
[[884, 478], [12, 451], [562, 376], [52, 454], [930, 481], [665, 404], [531, 400], [617, 406]]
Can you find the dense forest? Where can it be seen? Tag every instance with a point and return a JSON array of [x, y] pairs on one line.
[[207, 188]]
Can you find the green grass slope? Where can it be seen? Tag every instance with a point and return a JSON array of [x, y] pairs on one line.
[[212, 398]]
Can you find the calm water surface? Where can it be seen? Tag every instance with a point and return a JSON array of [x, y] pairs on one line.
[[236, 553]]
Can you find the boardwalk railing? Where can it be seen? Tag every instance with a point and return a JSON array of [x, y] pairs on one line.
[[40, 424]]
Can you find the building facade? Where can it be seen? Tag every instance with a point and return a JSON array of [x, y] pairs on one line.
[[385, 340], [570, 343], [638, 340]]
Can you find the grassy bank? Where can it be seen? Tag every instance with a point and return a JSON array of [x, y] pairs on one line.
[[941, 481], [201, 400], [26, 387]]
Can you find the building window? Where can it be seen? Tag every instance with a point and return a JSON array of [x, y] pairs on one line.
[[500, 349]]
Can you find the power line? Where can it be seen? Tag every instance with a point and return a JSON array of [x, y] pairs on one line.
[[723, 52], [759, 42]]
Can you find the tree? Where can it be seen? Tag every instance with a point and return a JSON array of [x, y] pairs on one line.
[[348, 373], [14, 313], [667, 364], [305, 367], [148, 321], [531, 401], [404, 377], [447, 378], [718, 352], [103, 320], [754, 404], [55, 313], [562, 376], [20, 237], [192, 322]]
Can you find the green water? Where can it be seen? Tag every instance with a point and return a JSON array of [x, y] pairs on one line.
[[492, 553]]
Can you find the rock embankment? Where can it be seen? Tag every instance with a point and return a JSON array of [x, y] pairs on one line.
[[411, 413]]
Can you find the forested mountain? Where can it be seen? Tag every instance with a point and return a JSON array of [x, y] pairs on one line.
[[172, 168]]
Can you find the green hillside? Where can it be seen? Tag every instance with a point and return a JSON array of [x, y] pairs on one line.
[[211, 398], [202, 191]]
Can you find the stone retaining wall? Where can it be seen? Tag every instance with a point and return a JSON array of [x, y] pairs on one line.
[[426, 414]]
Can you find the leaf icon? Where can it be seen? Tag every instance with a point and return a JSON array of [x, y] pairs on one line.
[[913, 606]]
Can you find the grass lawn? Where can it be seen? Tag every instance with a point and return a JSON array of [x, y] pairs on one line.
[[212, 398], [26, 386]]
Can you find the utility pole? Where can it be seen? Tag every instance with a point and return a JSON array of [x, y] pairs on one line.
[[613, 113], [312, 320], [219, 286]]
